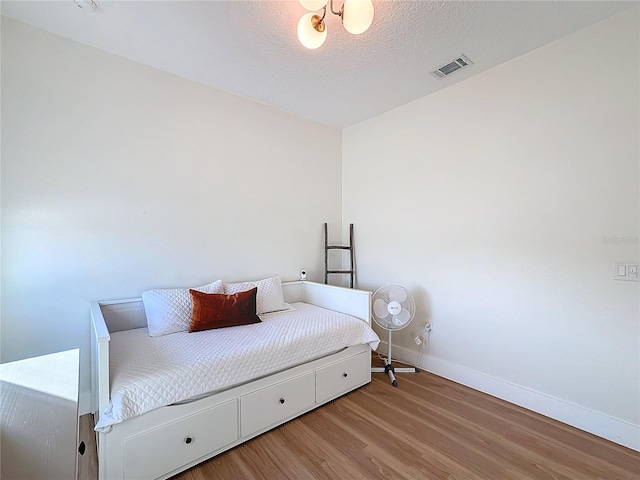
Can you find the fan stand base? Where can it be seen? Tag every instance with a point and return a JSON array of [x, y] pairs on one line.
[[390, 370]]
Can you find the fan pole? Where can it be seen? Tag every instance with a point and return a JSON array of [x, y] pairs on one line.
[[389, 369], [387, 364]]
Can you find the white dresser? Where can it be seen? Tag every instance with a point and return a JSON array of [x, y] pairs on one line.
[[39, 417]]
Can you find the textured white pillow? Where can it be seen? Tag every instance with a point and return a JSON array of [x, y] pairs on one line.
[[169, 310], [269, 298]]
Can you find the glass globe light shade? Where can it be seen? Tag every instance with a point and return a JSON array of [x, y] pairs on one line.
[[357, 15], [308, 35], [313, 5]]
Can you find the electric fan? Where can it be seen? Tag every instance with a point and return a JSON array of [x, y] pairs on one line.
[[393, 309]]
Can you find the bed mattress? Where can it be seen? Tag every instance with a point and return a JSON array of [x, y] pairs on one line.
[[151, 372]]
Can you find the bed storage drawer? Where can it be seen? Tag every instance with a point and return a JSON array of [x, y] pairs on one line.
[[276, 403], [155, 452], [342, 376]]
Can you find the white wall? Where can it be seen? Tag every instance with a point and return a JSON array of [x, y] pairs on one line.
[[493, 200], [117, 177]]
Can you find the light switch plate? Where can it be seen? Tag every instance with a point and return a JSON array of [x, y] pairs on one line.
[[626, 271]]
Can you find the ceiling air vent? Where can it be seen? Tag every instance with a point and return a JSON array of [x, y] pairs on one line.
[[454, 65]]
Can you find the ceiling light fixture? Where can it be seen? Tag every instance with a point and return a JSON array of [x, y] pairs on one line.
[[356, 16]]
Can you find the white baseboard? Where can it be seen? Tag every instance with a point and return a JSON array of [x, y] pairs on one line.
[[596, 423], [84, 403]]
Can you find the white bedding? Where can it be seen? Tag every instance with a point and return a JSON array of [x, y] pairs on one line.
[[148, 373]]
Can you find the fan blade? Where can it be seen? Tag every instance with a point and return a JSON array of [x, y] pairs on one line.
[[380, 308], [398, 294], [402, 318]]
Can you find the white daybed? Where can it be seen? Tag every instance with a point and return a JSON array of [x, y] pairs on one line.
[[168, 440]]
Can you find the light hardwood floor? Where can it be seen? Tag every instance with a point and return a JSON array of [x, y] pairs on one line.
[[427, 428]]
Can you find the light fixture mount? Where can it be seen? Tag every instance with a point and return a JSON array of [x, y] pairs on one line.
[[356, 17], [318, 23]]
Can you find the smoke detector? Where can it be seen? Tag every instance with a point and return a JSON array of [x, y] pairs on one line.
[[453, 65]]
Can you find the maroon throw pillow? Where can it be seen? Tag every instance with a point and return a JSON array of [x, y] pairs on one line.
[[216, 310]]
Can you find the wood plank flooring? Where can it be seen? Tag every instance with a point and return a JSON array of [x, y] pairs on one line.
[[87, 463], [427, 428]]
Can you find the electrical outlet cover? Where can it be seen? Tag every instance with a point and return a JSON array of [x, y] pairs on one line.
[[626, 271]]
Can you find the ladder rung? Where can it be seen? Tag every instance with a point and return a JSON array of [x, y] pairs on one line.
[[344, 272], [339, 247]]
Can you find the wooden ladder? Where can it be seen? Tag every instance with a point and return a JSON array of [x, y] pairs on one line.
[[351, 272]]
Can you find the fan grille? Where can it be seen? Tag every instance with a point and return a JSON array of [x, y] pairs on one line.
[[393, 307]]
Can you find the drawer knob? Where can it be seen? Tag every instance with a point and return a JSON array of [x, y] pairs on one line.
[[345, 374], [188, 440], [282, 400]]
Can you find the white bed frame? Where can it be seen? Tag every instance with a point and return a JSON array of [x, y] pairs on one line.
[[166, 441]]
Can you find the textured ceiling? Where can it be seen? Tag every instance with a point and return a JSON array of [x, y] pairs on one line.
[[250, 48]]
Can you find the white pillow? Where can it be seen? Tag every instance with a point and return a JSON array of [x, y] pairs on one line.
[[169, 310], [269, 298]]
